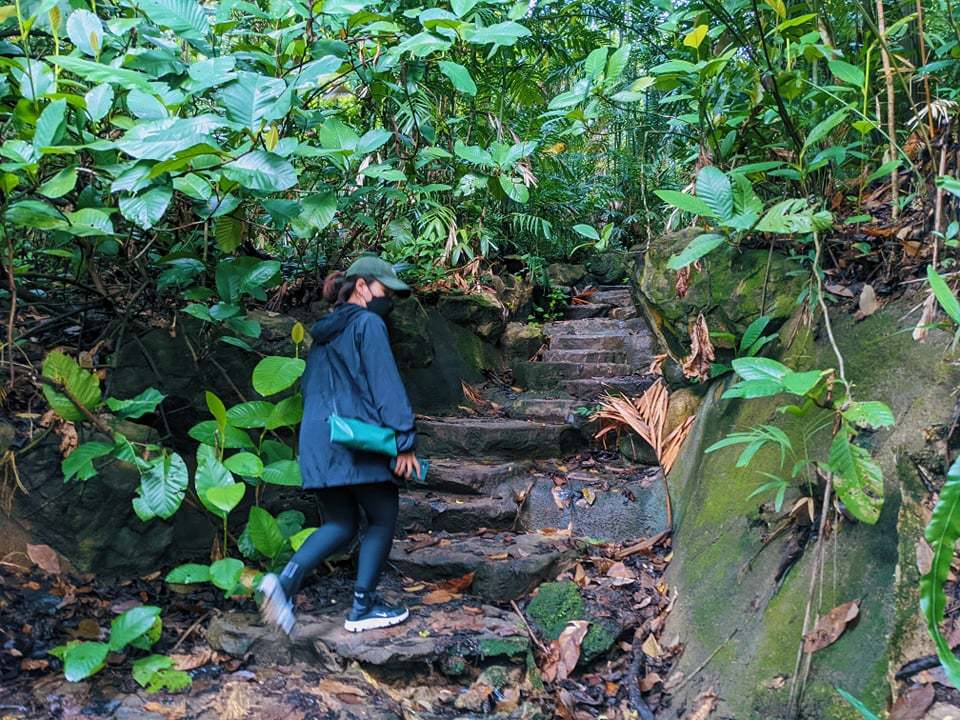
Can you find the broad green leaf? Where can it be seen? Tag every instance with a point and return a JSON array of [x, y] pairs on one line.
[[459, 76], [283, 472], [472, 154], [800, 383], [316, 213], [250, 98], [504, 33], [586, 231], [754, 389], [373, 140], [162, 139], [226, 497], [275, 374], [146, 209], [225, 574], [687, 203], [942, 534], [946, 298], [135, 407], [713, 188], [79, 463], [787, 217], [250, 414], [244, 463], [297, 541], [162, 488], [462, 7], [99, 100], [84, 659], [857, 479], [49, 124], [848, 73], [595, 63], [753, 332], [617, 63], [60, 184], [882, 171], [760, 369], [698, 248], [211, 473], [97, 73], [778, 7], [871, 414], [82, 384], [85, 32], [146, 106], [233, 438], [228, 230], [823, 128], [287, 413], [186, 18], [514, 188], [144, 669], [216, 407], [262, 171], [130, 625], [35, 79], [189, 574], [264, 532]]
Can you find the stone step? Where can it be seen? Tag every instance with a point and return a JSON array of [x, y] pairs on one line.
[[617, 297], [592, 388], [592, 310], [471, 478], [584, 356], [592, 326], [550, 375], [446, 634], [624, 313], [501, 438], [608, 340], [544, 409], [423, 511], [505, 565]]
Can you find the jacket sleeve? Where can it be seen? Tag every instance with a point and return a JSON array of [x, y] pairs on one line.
[[386, 386]]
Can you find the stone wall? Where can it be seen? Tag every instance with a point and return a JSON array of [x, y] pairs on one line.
[[724, 576]]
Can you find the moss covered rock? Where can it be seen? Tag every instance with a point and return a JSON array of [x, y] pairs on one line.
[[556, 604], [718, 529], [732, 290]]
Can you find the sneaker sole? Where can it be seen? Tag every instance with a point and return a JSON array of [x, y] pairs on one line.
[[356, 626]]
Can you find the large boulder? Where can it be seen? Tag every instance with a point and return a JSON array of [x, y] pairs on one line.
[[92, 522], [729, 599], [734, 288], [482, 313]]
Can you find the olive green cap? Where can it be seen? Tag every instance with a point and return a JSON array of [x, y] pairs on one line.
[[372, 266]]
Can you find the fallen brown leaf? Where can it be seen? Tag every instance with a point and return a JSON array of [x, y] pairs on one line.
[[927, 317], [438, 597], [651, 647], [649, 682], [776, 682], [697, 363], [45, 557], [868, 304], [704, 705], [914, 703], [564, 652], [621, 574], [29, 664], [457, 584], [830, 627], [191, 661]]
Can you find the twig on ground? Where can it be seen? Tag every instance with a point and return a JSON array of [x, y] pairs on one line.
[[633, 683], [530, 632], [190, 630]]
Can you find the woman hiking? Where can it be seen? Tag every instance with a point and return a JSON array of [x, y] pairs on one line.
[[351, 372]]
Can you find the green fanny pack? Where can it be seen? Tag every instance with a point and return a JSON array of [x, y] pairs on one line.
[[360, 435]]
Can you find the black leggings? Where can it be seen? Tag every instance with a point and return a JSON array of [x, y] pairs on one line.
[[380, 501]]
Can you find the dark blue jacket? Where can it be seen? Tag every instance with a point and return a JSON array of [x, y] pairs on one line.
[[350, 367]]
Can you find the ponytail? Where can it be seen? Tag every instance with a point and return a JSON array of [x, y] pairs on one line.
[[338, 288]]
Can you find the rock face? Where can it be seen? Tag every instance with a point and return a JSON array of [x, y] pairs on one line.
[[728, 290], [717, 528], [92, 523]]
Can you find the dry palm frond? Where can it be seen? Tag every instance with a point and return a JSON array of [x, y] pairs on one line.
[[646, 416], [656, 365]]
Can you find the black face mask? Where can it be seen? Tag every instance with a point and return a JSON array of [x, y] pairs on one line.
[[382, 306]]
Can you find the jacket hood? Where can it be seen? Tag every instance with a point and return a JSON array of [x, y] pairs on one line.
[[328, 327]]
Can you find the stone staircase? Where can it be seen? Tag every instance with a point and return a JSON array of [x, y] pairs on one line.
[[500, 502]]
